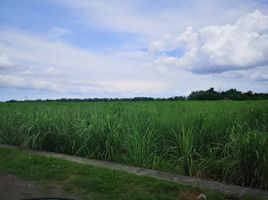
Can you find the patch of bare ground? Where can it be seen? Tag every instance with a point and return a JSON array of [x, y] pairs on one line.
[[13, 188]]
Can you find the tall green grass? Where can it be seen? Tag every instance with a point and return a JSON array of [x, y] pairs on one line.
[[220, 140]]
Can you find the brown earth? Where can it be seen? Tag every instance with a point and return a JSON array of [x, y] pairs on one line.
[[13, 188]]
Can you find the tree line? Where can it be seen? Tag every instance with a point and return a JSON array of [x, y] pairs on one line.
[[231, 94], [210, 94]]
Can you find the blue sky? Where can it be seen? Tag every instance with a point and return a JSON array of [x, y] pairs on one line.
[[64, 48]]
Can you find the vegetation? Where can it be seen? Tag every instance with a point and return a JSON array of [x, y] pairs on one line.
[[210, 94], [232, 94], [93, 182], [220, 140]]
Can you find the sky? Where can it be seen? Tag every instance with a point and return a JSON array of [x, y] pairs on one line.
[[125, 48]]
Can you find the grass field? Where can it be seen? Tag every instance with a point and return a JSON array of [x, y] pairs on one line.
[[220, 140]]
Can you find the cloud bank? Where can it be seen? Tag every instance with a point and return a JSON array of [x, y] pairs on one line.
[[59, 67], [215, 49]]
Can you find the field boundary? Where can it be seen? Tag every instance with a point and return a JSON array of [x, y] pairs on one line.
[[233, 190]]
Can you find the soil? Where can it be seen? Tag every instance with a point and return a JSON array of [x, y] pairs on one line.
[[13, 188]]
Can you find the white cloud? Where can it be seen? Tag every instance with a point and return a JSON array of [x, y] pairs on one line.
[[5, 61], [39, 54], [56, 32], [260, 75], [242, 45], [136, 86], [117, 15], [27, 72], [16, 81], [12, 81], [57, 66], [44, 85], [51, 71], [44, 61], [155, 19], [256, 74], [84, 86]]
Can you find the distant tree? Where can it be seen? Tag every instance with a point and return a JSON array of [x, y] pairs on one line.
[[176, 98], [209, 94], [234, 94], [249, 95]]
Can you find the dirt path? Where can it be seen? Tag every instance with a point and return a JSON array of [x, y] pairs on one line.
[[12, 188], [232, 190]]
